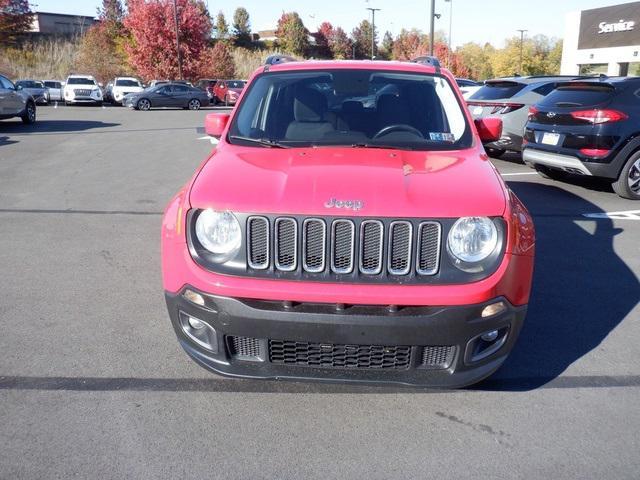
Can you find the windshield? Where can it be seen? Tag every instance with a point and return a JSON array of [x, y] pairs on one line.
[[578, 95], [497, 90], [351, 107], [80, 81], [30, 84], [235, 84], [127, 83], [52, 84]]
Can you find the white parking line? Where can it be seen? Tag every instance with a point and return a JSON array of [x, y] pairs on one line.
[[520, 173], [625, 215]]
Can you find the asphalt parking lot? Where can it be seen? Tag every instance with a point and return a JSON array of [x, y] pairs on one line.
[[93, 383]]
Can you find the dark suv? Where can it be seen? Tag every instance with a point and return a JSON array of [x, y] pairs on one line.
[[588, 127]]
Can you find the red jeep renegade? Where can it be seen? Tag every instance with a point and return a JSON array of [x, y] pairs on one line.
[[349, 227]]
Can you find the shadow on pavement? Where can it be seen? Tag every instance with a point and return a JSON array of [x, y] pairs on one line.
[[6, 141], [582, 289], [54, 126]]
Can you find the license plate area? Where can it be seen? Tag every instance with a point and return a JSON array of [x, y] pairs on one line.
[[549, 138]]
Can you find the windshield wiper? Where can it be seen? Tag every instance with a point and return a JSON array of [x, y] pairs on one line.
[[375, 145], [260, 141]]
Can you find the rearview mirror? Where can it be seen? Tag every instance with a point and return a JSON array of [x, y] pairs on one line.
[[215, 123], [489, 129]]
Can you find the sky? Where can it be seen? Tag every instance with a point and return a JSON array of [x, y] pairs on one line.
[[473, 20]]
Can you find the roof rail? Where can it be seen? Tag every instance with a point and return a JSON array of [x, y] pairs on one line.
[[427, 60], [277, 58]]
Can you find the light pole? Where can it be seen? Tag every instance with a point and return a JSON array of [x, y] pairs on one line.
[[175, 17], [522, 32], [432, 21], [373, 30]]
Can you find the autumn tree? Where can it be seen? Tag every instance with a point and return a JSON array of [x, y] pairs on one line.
[[15, 18], [218, 62], [322, 36], [386, 49], [361, 36], [292, 35], [537, 58], [222, 27], [410, 44], [477, 59], [339, 44], [241, 27], [152, 49]]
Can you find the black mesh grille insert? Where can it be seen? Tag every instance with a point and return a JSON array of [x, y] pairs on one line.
[[371, 247], [314, 245], [343, 232], [400, 248], [286, 238], [428, 248], [258, 242], [438, 357], [244, 347], [339, 356]]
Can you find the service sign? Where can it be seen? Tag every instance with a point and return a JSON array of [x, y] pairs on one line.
[[617, 26]]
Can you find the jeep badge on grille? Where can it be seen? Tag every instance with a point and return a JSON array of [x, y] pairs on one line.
[[349, 204]]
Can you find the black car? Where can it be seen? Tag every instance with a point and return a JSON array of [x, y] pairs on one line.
[[206, 85], [588, 127], [177, 95]]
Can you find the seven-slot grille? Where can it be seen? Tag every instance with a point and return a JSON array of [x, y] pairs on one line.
[[342, 246]]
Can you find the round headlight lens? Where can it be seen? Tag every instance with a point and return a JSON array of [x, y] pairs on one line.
[[218, 232], [472, 239]]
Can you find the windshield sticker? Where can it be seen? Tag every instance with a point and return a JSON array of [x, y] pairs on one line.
[[442, 137]]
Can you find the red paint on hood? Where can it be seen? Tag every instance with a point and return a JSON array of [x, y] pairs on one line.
[[389, 183]]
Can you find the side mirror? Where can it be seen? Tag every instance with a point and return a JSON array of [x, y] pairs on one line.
[[489, 129], [215, 123], [18, 87]]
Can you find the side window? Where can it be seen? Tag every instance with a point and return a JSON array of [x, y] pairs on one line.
[[165, 90], [546, 89], [6, 83], [180, 89]]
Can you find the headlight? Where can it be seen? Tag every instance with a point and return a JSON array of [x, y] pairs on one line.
[[218, 232], [472, 240]]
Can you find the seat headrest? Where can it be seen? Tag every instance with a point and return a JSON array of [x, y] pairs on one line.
[[309, 105]]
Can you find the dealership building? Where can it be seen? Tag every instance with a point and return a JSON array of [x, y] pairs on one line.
[[603, 40]]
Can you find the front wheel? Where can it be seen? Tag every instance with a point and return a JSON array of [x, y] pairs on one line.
[[194, 104], [143, 104], [29, 115], [628, 183], [495, 152]]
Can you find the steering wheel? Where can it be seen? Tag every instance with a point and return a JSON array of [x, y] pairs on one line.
[[398, 127]]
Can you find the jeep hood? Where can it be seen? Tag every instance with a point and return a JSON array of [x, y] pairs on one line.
[[388, 183]]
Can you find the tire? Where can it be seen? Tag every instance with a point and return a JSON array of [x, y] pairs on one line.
[[143, 104], [550, 173], [29, 115], [194, 104], [495, 152], [628, 183]]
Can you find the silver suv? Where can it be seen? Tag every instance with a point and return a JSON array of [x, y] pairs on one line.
[[509, 99], [16, 103]]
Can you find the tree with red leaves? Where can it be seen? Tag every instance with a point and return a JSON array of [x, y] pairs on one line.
[[218, 62], [292, 35], [152, 49], [340, 45], [322, 36], [15, 18]]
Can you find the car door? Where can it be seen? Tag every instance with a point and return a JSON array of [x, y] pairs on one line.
[[162, 97], [182, 95], [221, 89], [11, 102]]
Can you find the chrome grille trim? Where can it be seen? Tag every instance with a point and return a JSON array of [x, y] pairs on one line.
[[399, 253], [363, 243], [419, 252], [279, 247], [335, 245], [305, 245], [250, 243]]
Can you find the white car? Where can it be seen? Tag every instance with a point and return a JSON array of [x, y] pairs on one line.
[[55, 89], [124, 85], [82, 89]]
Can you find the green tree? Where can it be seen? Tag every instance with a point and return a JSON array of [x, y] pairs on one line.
[[222, 27], [361, 36], [339, 44], [386, 49], [292, 35], [241, 27], [477, 59]]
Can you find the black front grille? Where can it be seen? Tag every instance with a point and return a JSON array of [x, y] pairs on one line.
[[326, 355], [438, 357], [82, 92], [344, 247], [244, 348]]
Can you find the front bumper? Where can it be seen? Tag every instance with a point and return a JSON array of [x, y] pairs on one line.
[[334, 342]]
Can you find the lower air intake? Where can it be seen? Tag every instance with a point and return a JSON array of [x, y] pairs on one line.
[[438, 357]]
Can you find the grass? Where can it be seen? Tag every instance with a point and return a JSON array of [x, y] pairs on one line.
[[45, 59]]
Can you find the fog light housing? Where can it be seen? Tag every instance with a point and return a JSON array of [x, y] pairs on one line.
[[486, 344], [199, 331], [493, 309], [194, 297], [490, 336]]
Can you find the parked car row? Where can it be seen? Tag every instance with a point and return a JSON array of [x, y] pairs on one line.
[[568, 125]]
